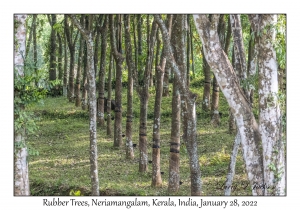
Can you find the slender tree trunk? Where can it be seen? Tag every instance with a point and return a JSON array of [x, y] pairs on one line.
[[60, 57], [144, 99], [52, 70], [65, 77], [30, 36], [231, 167], [188, 51], [206, 91], [229, 85], [232, 123], [156, 175], [87, 35], [168, 66], [84, 104], [78, 75], [174, 162], [108, 116], [35, 48], [21, 177], [131, 69], [269, 116], [118, 89], [102, 73], [179, 69], [71, 44]]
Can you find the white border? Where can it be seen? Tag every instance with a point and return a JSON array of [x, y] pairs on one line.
[[8, 201]]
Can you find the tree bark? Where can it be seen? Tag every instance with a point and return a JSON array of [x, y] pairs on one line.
[[131, 69], [207, 81], [168, 67], [65, 77], [102, 73], [35, 60], [159, 74], [21, 177], [52, 70], [60, 57], [269, 116], [179, 69], [108, 116], [118, 89], [71, 45], [229, 85], [87, 35]]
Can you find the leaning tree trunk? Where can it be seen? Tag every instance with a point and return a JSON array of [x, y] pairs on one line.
[[269, 116], [87, 35], [159, 73], [118, 89], [168, 66], [21, 178], [234, 95]]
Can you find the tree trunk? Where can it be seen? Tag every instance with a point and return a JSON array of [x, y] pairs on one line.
[[174, 162], [206, 91], [108, 116], [65, 79], [118, 89], [215, 116], [35, 48], [84, 102], [168, 67], [159, 73], [60, 57], [52, 70], [179, 69], [87, 35], [131, 69], [21, 178], [269, 116], [78, 75], [102, 73], [229, 85]]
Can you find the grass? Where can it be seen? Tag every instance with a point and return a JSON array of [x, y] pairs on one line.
[[62, 141]]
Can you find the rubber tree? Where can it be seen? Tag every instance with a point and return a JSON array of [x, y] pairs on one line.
[[88, 37], [229, 84], [188, 98], [269, 115], [21, 178]]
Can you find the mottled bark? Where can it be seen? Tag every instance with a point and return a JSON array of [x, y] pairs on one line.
[[131, 69], [231, 167], [231, 123], [179, 69], [207, 81], [52, 61], [168, 66], [234, 95], [87, 35], [251, 67], [159, 74], [100, 116], [28, 41], [269, 116], [21, 178], [118, 89]]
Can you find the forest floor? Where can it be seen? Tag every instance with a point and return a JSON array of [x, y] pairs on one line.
[[62, 163]]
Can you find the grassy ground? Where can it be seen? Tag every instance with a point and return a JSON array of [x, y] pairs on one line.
[[63, 161]]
